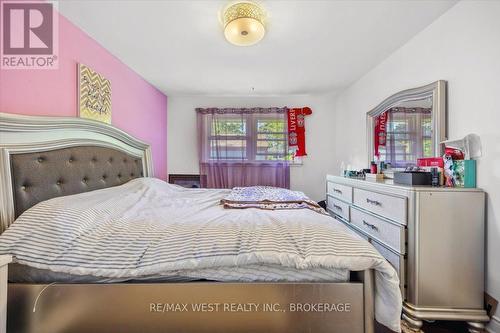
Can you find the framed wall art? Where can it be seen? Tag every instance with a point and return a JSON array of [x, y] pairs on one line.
[[94, 92]]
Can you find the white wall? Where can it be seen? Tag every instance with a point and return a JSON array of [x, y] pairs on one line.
[[309, 178], [462, 47]]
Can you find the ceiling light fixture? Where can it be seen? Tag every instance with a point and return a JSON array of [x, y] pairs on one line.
[[244, 23]]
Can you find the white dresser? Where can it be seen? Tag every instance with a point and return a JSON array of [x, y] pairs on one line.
[[434, 237], [4, 261]]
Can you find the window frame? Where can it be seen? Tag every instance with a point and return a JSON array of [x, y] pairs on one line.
[[251, 140]]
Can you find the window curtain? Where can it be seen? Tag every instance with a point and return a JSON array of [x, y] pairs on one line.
[[409, 135], [235, 149]]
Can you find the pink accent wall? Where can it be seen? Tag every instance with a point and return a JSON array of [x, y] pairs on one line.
[[138, 108]]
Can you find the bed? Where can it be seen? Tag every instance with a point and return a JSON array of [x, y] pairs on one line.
[[100, 245]]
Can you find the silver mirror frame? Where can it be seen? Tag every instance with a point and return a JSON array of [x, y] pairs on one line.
[[436, 90]]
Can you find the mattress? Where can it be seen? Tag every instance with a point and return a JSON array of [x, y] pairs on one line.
[[254, 273]]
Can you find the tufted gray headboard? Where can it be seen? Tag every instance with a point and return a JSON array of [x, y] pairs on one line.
[[46, 157], [43, 175]]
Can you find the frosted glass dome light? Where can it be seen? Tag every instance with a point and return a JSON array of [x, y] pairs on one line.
[[244, 23]]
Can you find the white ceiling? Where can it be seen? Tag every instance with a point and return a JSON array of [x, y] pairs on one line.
[[310, 47]]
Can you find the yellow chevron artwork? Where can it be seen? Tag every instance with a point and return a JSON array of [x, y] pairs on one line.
[[94, 95]]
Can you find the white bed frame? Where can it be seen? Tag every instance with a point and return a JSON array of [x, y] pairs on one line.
[[127, 307]]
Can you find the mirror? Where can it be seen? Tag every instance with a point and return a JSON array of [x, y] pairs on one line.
[[408, 125]]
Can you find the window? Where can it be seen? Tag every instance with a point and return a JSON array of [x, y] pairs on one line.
[[243, 147], [271, 140], [228, 139], [251, 138], [408, 136]]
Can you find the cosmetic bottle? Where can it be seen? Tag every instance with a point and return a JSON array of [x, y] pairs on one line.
[[435, 177]]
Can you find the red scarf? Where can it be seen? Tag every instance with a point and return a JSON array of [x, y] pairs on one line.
[[380, 132], [297, 130]]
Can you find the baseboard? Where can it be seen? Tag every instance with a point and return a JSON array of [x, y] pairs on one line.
[[494, 325]]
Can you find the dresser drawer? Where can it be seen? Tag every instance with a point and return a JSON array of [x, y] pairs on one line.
[[385, 232], [388, 206], [396, 260], [357, 232], [339, 191], [338, 207]]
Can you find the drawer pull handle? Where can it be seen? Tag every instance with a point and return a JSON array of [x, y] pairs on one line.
[[371, 226], [336, 190], [337, 207], [373, 202]]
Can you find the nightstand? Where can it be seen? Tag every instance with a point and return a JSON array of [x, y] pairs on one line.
[[4, 261]]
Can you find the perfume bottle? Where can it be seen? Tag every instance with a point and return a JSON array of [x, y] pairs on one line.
[[435, 177]]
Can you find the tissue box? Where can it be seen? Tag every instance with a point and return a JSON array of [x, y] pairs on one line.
[[413, 178], [464, 173]]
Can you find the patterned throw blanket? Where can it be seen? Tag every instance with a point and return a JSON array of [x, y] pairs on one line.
[[267, 197]]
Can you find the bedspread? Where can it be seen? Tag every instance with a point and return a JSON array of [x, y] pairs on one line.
[[148, 227]]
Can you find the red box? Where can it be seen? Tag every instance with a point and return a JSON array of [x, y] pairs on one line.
[[434, 162]]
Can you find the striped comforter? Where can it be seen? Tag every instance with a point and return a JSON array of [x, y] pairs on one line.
[[147, 227]]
